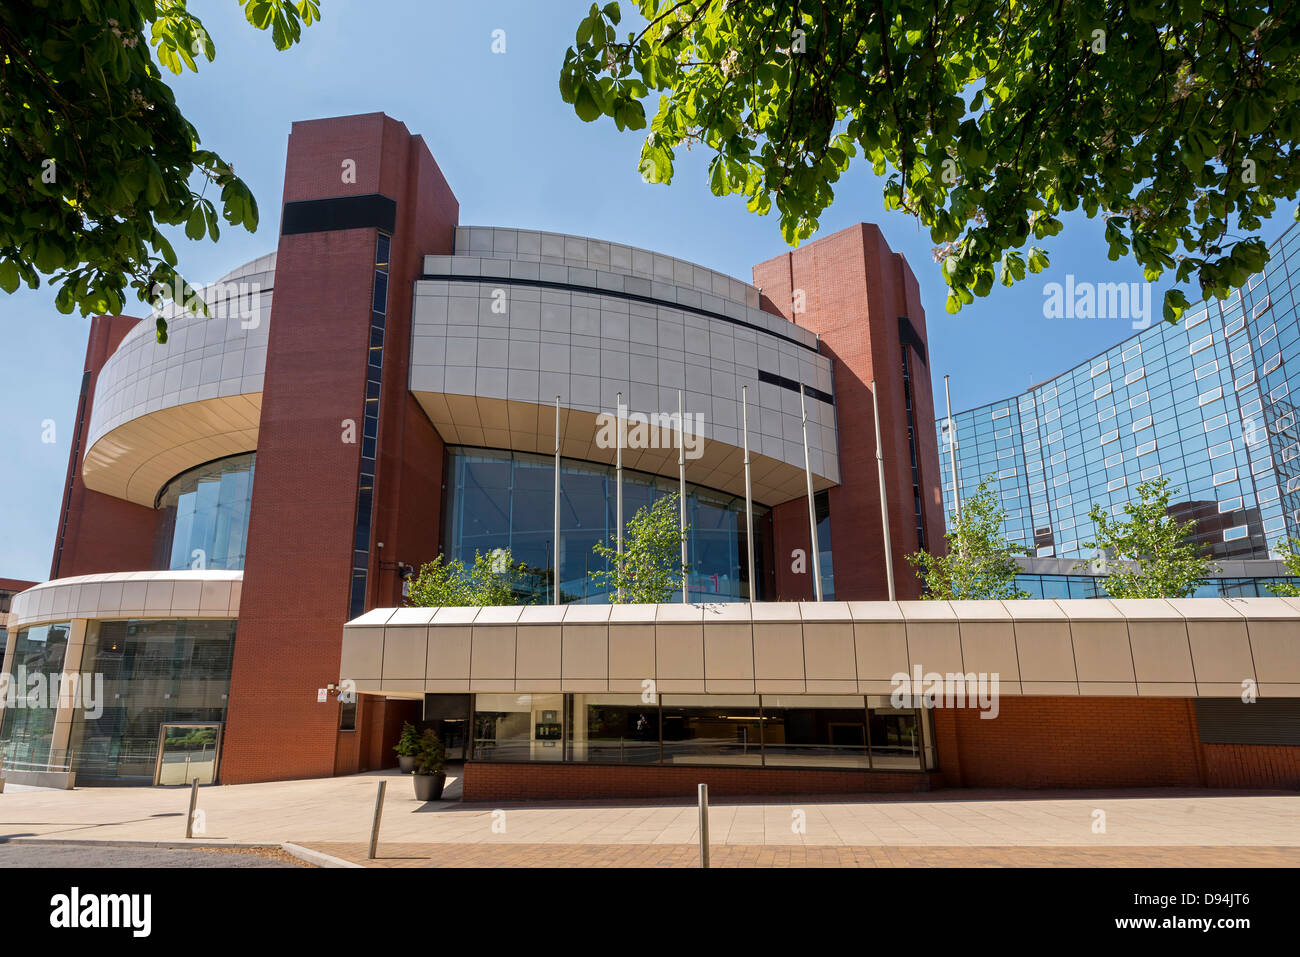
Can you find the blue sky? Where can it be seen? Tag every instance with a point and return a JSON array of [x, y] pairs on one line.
[[515, 155]]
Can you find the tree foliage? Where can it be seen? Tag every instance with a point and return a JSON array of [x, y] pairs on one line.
[[1176, 122], [651, 568], [97, 154], [980, 562], [493, 579], [1161, 560], [1290, 550]]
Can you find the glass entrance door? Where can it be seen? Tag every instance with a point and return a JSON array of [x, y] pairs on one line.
[[188, 751], [452, 734]]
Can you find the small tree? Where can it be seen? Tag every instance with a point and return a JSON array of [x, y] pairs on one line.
[[980, 562], [493, 579], [1165, 562], [1290, 549], [651, 567]]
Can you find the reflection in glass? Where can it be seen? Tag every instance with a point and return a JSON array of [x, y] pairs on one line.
[[712, 729], [28, 728], [500, 499], [519, 727], [156, 671], [815, 731], [614, 729], [203, 520]]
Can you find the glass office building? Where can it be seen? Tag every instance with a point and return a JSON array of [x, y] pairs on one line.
[[1206, 404]]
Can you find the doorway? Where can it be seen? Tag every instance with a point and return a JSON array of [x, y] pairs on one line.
[[187, 751]]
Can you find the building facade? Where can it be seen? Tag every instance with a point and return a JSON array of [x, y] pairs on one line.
[[1206, 404], [245, 503], [384, 388]]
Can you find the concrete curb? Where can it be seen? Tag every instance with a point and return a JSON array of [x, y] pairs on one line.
[[316, 857], [121, 842]]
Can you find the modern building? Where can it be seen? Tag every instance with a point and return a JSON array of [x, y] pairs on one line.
[[1206, 404], [245, 501]]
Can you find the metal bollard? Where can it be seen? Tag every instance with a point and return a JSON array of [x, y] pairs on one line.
[[379, 813], [194, 803], [704, 825]]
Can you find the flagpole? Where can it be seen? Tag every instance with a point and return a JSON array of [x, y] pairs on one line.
[[555, 581], [618, 514], [681, 479], [749, 496]]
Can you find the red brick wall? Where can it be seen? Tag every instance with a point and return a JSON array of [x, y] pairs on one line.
[[298, 570], [1072, 742], [1252, 766], [99, 533], [576, 782], [855, 289]]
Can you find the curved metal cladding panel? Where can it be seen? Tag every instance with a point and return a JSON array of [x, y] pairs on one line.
[[162, 594], [1209, 404], [162, 408], [499, 332], [1181, 648]]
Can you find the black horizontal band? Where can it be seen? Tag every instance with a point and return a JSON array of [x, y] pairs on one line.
[[373, 211]]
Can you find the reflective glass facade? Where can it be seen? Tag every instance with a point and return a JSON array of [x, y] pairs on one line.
[[28, 727], [1207, 404], [204, 516], [1089, 586], [154, 671], [812, 731], [499, 499]]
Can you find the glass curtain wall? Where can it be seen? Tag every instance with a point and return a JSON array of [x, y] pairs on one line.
[[804, 731], [203, 520], [27, 731], [501, 499], [154, 672]]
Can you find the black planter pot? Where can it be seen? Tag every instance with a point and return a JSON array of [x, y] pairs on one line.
[[406, 763], [428, 787]]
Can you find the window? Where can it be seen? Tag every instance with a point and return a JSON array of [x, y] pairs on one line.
[[1280, 392], [1223, 448], [1243, 381], [1137, 400], [1102, 391], [1001, 413], [1233, 534], [1129, 353], [348, 715], [1241, 353], [1205, 398], [1200, 344], [1197, 318], [1217, 422], [1230, 505], [1146, 447], [1099, 368], [1118, 483], [1114, 460], [1109, 437], [1272, 363], [1222, 478], [1150, 473], [1261, 307], [1267, 335], [1234, 327], [1209, 368], [1106, 413], [1135, 375]]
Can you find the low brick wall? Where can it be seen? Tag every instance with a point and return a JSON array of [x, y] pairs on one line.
[[486, 781], [1252, 766]]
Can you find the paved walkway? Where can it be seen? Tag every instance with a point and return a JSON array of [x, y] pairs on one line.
[[339, 811], [772, 855]]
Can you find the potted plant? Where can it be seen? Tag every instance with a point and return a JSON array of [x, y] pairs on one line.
[[429, 774], [406, 747]]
